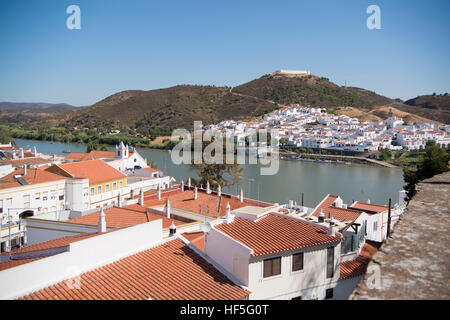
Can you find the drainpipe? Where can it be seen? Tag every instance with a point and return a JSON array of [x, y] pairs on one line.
[[389, 220]]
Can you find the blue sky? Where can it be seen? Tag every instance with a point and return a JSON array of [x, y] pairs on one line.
[[155, 44]]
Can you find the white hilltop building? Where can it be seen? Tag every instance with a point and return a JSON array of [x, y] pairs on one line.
[[292, 72]]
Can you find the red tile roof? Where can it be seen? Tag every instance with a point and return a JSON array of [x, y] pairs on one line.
[[340, 214], [170, 271], [357, 267], [28, 161], [206, 204], [96, 170], [125, 217], [369, 207], [325, 203], [93, 155], [196, 238], [33, 176], [273, 233]]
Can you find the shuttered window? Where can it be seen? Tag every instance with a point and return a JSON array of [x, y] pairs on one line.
[[330, 262], [297, 261], [272, 267]]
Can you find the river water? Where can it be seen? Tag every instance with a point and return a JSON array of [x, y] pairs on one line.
[[314, 180]]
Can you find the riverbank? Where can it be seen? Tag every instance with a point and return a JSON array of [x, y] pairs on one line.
[[353, 159]]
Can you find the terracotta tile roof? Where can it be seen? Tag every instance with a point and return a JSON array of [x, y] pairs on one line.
[[196, 238], [14, 263], [125, 217], [326, 202], [96, 170], [150, 169], [273, 233], [369, 207], [357, 267], [93, 155], [28, 161], [33, 176], [170, 271], [207, 204]]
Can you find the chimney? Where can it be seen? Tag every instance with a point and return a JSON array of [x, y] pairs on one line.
[[195, 193], [228, 216], [182, 186], [119, 200], [331, 230], [101, 226], [24, 170], [208, 188], [368, 201], [158, 192], [321, 216], [167, 209], [172, 230], [241, 195], [141, 197], [219, 191], [35, 151], [189, 182], [21, 153]]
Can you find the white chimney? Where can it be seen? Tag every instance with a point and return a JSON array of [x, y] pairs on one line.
[[141, 197], [21, 153], [167, 209], [158, 192], [321, 216], [101, 226], [189, 182], [35, 151], [241, 195], [172, 230], [368, 201], [228, 216], [182, 186], [331, 229], [24, 170], [219, 191], [208, 188], [195, 193]]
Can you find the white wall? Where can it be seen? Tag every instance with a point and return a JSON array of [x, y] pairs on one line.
[[82, 256]]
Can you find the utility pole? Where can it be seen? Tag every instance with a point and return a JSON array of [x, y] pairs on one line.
[[302, 199], [389, 220]]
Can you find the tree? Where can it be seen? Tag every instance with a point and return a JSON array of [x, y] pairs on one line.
[[104, 148], [222, 174], [92, 145], [5, 135], [434, 161]]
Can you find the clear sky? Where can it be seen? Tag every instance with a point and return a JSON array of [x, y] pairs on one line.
[[155, 44]]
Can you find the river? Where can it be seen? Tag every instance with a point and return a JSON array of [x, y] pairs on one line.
[[314, 180]]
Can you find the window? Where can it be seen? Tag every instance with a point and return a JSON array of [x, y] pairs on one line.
[[121, 184], [53, 194], [297, 261], [26, 201], [272, 267], [297, 298], [329, 293], [330, 262], [9, 202], [1, 206], [107, 187], [61, 197], [92, 191], [99, 189], [45, 196], [38, 196], [375, 226], [115, 186]]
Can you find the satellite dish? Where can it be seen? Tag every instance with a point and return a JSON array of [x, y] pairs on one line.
[[205, 227]]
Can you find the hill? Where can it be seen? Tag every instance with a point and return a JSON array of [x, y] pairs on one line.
[[157, 112], [435, 107]]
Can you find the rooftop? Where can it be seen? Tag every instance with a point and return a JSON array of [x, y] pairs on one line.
[[273, 233], [96, 170], [170, 271], [33, 176], [358, 267]]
